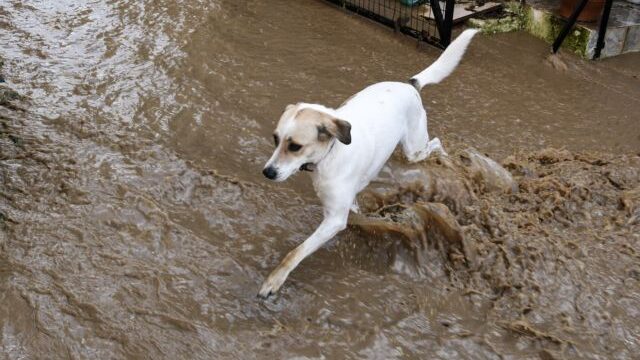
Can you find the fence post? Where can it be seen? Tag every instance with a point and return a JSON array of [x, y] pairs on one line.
[[567, 27], [602, 29], [445, 39]]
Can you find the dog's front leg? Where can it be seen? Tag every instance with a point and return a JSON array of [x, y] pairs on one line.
[[330, 226]]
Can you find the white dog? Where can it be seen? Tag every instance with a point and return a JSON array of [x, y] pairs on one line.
[[345, 148]]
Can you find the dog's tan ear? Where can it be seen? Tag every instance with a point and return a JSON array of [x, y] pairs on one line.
[[338, 128], [343, 131], [289, 112]]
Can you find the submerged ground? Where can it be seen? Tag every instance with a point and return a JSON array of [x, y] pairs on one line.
[[135, 222]]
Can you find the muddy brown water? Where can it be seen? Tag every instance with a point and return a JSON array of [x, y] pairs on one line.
[[136, 222]]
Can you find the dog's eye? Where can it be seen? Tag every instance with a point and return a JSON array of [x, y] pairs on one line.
[[294, 147], [276, 140]]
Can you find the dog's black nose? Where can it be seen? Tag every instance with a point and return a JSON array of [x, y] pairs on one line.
[[270, 172]]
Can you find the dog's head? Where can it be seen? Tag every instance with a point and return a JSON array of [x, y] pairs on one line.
[[303, 137]]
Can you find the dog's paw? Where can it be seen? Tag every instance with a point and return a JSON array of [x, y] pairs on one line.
[[434, 145], [272, 284]]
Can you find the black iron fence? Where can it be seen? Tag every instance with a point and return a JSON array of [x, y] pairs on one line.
[[430, 21]]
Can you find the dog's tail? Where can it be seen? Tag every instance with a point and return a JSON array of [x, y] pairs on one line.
[[446, 63]]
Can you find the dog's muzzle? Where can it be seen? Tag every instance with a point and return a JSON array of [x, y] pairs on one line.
[[308, 167]]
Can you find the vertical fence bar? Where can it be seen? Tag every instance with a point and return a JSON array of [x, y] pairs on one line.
[[567, 27], [437, 16], [445, 38], [602, 29]]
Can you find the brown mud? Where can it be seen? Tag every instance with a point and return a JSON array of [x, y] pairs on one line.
[[552, 253], [135, 222]]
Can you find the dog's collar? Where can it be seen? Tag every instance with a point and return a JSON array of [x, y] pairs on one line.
[[308, 167], [312, 166]]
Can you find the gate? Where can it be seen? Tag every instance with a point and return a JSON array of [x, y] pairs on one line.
[[431, 24]]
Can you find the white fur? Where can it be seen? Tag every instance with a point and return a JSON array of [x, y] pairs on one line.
[[381, 116]]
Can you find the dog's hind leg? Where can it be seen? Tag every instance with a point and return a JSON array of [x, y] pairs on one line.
[[416, 144], [334, 221]]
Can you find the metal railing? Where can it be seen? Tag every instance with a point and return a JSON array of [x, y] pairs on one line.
[[602, 26], [431, 24]]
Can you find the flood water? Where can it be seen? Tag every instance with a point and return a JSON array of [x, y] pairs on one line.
[[135, 221]]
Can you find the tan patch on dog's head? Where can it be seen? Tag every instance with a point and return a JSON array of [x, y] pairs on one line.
[[325, 125], [304, 126], [303, 136]]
